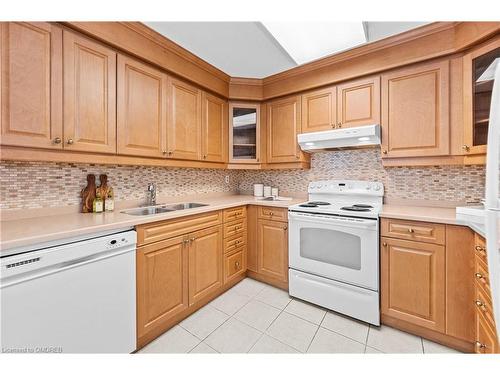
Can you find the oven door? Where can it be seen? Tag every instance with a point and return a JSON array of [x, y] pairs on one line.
[[339, 248]]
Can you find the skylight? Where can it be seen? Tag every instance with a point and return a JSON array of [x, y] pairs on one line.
[[307, 41]]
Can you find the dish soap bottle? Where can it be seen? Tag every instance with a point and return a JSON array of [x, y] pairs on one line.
[[98, 205], [109, 203]]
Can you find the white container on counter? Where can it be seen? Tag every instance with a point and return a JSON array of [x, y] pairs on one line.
[[274, 191], [258, 190], [267, 191]]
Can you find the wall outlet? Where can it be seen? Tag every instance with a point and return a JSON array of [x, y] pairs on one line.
[[226, 180]]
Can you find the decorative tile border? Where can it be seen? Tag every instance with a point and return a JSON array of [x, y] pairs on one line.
[[43, 185]]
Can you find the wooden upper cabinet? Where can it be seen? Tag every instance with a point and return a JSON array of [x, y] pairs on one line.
[[272, 249], [413, 282], [205, 263], [319, 110], [283, 126], [415, 111], [358, 102], [477, 96], [31, 84], [214, 128], [162, 283], [141, 109], [184, 125], [89, 95]]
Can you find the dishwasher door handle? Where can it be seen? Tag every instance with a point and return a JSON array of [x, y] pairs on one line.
[[31, 275]]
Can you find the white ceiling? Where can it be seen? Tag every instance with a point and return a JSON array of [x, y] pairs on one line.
[[257, 50]]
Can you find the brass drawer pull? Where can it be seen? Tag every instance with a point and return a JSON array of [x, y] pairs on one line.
[[480, 248], [57, 140], [237, 265], [411, 230], [478, 275], [271, 213]]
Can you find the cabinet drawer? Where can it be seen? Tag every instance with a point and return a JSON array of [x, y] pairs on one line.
[[235, 227], [486, 340], [234, 265], [273, 213], [235, 213], [480, 248], [235, 242], [413, 230], [481, 276], [149, 233], [484, 308]]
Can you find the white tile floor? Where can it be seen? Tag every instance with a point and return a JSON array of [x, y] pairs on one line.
[[265, 319]]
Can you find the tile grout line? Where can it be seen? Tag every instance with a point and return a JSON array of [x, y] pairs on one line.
[[315, 333]]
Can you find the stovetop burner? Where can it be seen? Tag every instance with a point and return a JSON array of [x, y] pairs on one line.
[[314, 204], [357, 208]]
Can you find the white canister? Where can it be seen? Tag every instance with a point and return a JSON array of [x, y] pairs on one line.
[[274, 191], [267, 191], [258, 190]]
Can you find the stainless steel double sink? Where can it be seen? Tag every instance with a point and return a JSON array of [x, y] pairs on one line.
[[162, 208]]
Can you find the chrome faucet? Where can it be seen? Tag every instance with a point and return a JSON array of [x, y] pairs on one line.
[[151, 200]]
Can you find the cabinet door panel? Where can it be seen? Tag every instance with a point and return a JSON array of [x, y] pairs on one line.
[[142, 109], [359, 102], [162, 283], [415, 105], [283, 125], [214, 128], [413, 282], [205, 263], [319, 110], [272, 249], [184, 127], [31, 84], [89, 95]]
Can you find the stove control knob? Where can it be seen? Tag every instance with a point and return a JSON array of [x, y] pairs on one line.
[[368, 187], [377, 187]]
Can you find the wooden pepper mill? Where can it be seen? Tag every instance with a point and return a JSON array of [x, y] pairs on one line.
[[88, 194]]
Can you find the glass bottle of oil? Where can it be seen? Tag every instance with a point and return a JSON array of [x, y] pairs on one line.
[[98, 205]]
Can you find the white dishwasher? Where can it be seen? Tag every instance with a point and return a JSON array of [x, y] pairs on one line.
[[78, 297]]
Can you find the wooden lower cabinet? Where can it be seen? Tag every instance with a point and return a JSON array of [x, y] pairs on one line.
[[413, 282], [205, 263], [162, 283], [486, 339], [272, 249], [427, 284]]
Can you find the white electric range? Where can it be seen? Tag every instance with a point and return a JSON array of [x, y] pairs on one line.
[[334, 247]]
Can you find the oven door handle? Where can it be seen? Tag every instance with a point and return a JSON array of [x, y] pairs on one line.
[[326, 219]]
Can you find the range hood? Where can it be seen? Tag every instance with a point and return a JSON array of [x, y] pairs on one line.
[[361, 136]]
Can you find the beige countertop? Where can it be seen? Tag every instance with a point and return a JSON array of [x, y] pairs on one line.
[[33, 231], [27, 232], [443, 215]]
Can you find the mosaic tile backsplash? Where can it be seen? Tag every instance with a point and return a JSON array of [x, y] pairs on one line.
[[39, 185], [440, 183]]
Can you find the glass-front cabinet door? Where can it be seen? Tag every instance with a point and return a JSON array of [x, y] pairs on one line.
[[477, 95], [244, 133]]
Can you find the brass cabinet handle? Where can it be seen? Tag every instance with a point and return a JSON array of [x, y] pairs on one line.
[[285, 227], [333, 126], [466, 148], [170, 152], [257, 159], [480, 345], [479, 303], [480, 248], [204, 156], [384, 244], [70, 141], [339, 125], [237, 264], [271, 213], [192, 239], [478, 275], [384, 152], [164, 152], [57, 140], [185, 242], [297, 157], [411, 230]]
